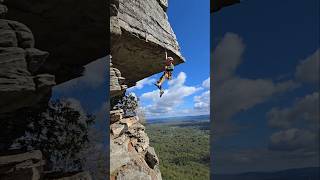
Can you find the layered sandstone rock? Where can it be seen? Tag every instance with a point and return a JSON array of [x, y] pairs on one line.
[[131, 157], [140, 36], [21, 84], [117, 86], [73, 31], [23, 87]]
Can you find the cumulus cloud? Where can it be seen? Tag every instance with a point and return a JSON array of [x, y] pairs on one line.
[[172, 98], [294, 145], [140, 84], [308, 69], [227, 56], [206, 83], [93, 77], [233, 94], [305, 110], [202, 102], [239, 94], [299, 124], [293, 139]]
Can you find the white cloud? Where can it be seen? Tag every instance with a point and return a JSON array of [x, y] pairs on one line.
[[202, 102], [233, 94], [308, 69], [305, 110], [293, 139], [206, 83], [227, 56], [93, 76], [140, 84], [172, 98]]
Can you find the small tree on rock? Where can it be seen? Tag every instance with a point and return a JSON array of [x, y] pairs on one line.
[[61, 132], [129, 104]]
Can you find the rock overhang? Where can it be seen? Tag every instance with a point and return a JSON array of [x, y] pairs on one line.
[[73, 32], [140, 36]]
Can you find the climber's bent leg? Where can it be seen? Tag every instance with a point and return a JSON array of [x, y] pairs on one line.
[[161, 80], [169, 75]]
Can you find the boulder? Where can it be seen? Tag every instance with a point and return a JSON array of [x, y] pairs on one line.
[[129, 121], [116, 129]]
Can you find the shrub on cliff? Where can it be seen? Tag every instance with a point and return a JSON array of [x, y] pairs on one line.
[[61, 132], [129, 104]]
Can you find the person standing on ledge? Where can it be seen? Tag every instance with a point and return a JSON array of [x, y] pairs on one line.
[[167, 74]]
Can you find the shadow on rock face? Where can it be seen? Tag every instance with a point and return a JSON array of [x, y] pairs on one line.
[[73, 32]]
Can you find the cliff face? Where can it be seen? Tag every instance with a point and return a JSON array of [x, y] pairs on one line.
[[140, 36], [131, 157]]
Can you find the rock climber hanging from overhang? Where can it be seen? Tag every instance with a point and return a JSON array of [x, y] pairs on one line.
[[167, 73]]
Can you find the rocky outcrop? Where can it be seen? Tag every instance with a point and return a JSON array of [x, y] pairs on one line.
[[29, 166], [73, 31], [26, 166], [140, 35], [117, 86], [22, 85], [131, 157]]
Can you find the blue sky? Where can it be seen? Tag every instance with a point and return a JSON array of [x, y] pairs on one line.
[[267, 91], [191, 97]]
